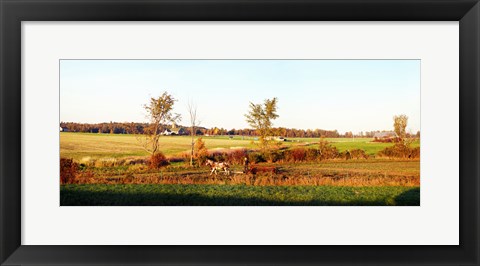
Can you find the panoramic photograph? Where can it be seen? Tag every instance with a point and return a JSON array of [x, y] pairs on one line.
[[239, 132]]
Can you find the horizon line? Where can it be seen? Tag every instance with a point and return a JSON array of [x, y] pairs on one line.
[[178, 125]]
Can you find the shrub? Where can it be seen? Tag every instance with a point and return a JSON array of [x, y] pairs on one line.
[[358, 154], [134, 161], [158, 160], [312, 154], [353, 154], [296, 155], [327, 151], [415, 153], [237, 156], [68, 171], [395, 151], [200, 152], [256, 157], [275, 155], [345, 155], [218, 156], [400, 150]]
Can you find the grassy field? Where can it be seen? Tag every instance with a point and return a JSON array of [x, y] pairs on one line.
[[372, 181], [235, 195], [80, 145], [332, 173]]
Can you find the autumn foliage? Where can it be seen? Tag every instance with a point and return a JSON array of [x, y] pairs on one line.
[[158, 160], [401, 150], [68, 171], [200, 152]]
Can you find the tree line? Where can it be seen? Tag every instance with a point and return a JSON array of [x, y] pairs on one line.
[[142, 128]]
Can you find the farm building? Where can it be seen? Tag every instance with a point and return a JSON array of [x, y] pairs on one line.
[[276, 138], [385, 135], [63, 129], [174, 131]]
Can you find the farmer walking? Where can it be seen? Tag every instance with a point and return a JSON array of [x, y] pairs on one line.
[[245, 165]]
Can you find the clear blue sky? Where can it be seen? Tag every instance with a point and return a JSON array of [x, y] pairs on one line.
[[347, 95]]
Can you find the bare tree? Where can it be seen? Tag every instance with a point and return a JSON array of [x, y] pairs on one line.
[[160, 113], [194, 123]]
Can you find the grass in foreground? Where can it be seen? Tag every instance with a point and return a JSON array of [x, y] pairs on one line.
[[235, 195], [357, 173]]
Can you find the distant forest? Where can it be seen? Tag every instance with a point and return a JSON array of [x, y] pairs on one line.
[[141, 128]]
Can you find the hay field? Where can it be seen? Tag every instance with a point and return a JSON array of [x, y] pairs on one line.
[[80, 145]]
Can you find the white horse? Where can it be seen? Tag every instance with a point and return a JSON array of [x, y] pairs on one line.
[[221, 166]]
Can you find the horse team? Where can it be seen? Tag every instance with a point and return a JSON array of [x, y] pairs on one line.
[[225, 168], [218, 166]]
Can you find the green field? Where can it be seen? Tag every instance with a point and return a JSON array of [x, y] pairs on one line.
[[81, 145], [235, 195]]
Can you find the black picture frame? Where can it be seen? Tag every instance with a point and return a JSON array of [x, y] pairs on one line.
[[13, 12]]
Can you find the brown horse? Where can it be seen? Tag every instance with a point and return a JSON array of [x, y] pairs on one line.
[[221, 166]]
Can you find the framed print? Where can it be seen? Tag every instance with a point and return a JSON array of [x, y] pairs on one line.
[[238, 132], [234, 167]]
